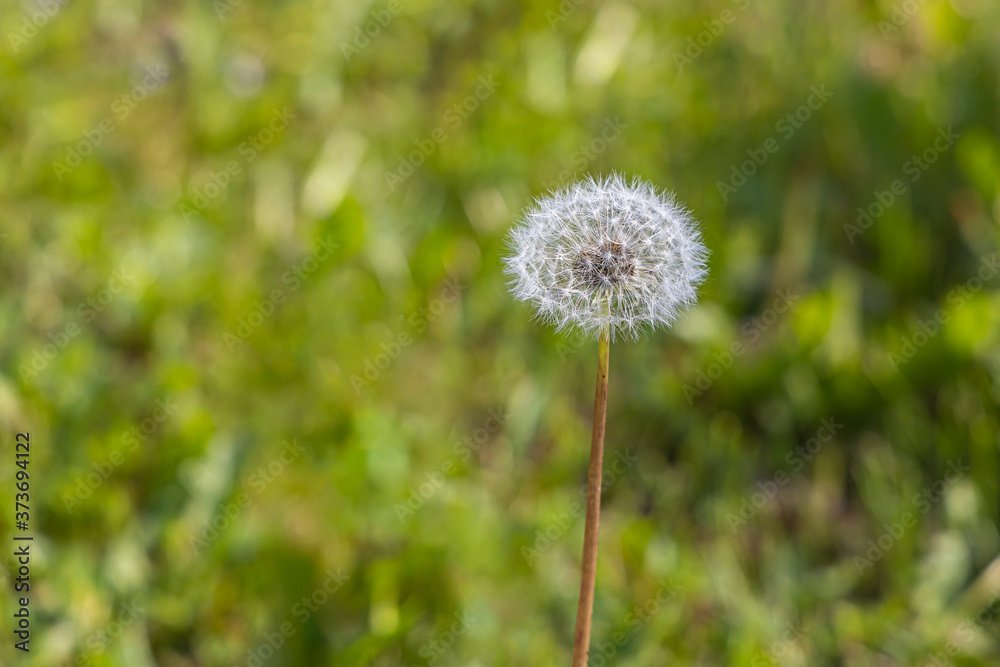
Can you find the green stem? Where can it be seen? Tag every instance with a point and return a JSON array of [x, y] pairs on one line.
[[585, 608]]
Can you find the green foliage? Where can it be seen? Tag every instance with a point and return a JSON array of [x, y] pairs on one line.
[[278, 394]]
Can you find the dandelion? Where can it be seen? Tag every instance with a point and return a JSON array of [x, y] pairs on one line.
[[607, 256], [614, 259]]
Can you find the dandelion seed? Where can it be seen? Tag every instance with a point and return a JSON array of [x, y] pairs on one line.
[[604, 254]]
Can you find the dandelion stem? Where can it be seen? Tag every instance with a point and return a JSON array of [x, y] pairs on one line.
[[585, 608]]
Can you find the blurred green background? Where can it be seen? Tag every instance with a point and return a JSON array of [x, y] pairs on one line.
[[283, 410]]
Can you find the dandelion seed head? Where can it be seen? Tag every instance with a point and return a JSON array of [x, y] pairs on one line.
[[606, 254]]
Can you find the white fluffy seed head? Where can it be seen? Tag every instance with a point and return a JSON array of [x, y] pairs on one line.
[[607, 255]]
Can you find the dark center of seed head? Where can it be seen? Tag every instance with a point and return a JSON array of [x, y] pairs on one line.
[[604, 265]]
